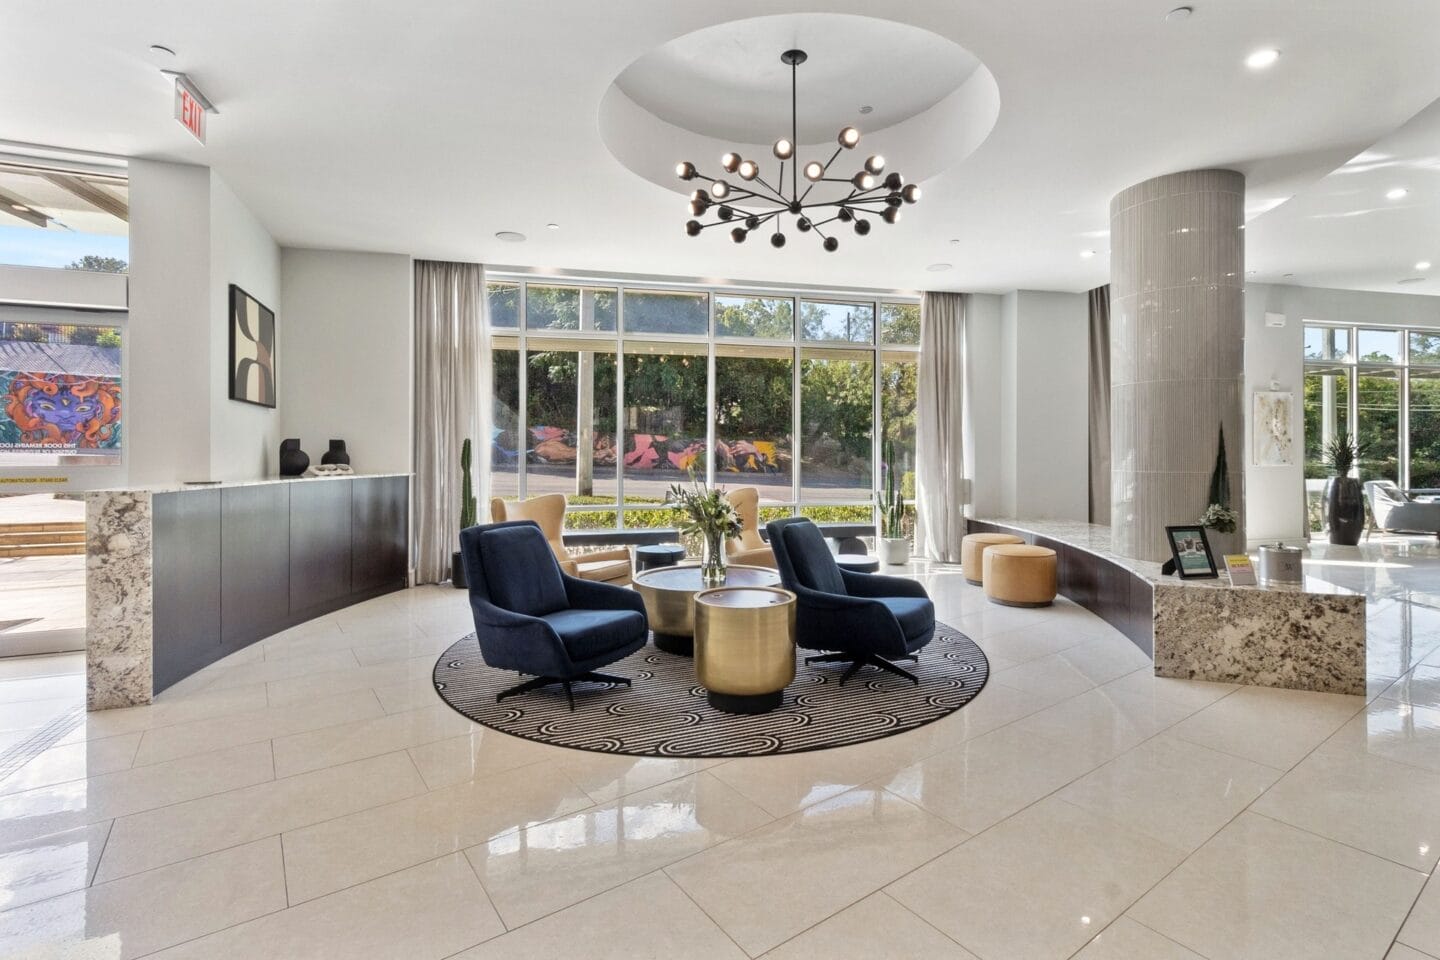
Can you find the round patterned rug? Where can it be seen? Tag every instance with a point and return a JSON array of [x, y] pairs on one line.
[[665, 713]]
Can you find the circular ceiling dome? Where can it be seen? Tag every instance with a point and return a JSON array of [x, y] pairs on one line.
[[727, 81], [930, 102]]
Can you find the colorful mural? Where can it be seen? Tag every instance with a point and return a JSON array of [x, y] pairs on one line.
[[60, 390]]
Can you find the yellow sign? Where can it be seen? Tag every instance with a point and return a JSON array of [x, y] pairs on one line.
[[34, 479]]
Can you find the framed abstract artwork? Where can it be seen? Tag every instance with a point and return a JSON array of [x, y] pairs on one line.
[[1274, 439], [252, 349]]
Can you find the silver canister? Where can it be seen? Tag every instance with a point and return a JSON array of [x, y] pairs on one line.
[[1280, 565]]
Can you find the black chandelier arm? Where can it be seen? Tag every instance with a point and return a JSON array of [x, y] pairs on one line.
[[742, 194], [778, 196]]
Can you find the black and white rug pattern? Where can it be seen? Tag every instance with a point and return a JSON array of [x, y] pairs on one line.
[[665, 714]]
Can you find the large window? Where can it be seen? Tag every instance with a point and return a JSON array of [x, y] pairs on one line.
[[612, 394], [1381, 385]]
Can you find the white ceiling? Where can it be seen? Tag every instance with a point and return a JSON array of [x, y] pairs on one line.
[[427, 127], [727, 81]]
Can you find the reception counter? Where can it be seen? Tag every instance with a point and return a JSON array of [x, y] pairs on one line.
[[1310, 637], [178, 577]]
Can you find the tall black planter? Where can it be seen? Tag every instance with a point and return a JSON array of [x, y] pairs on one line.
[[1345, 507], [293, 460], [457, 572]]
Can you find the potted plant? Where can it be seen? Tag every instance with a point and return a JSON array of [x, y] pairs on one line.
[[894, 545], [1344, 496], [704, 512], [1219, 515], [467, 516]]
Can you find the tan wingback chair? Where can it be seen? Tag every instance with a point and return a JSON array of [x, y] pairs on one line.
[[606, 566], [748, 548]]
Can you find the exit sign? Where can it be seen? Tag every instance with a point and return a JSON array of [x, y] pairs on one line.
[[189, 111]]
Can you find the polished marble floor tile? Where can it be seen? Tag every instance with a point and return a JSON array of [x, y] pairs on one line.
[[1422, 927], [1263, 890], [1192, 694], [1389, 809], [44, 867], [1106, 658], [311, 686], [1401, 952], [1101, 724], [876, 928], [650, 918], [1172, 790], [63, 806], [605, 776], [784, 784], [150, 911], [31, 715], [170, 708], [781, 879], [427, 912], [1395, 731], [1048, 679], [339, 853], [549, 866], [263, 671], [170, 834], [1127, 940], [332, 745], [483, 752], [1037, 885], [1294, 723], [74, 761]]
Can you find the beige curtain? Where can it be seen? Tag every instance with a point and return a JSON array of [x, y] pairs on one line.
[[940, 455], [1100, 405], [450, 395]]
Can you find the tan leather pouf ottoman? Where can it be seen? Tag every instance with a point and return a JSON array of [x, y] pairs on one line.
[[972, 551], [1019, 575]]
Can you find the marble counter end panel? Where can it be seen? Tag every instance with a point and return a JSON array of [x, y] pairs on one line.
[[1297, 640], [118, 599]]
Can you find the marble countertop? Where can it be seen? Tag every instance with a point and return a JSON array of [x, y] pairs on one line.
[[1094, 538], [180, 487]]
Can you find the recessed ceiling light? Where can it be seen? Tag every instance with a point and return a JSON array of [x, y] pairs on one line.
[[939, 267], [1249, 273], [552, 226], [1261, 59], [1411, 280], [1086, 254], [510, 236], [1423, 265], [1396, 193], [866, 108], [161, 49], [1179, 13], [955, 242], [1289, 275]]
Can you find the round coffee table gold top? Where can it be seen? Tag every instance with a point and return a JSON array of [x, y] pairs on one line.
[[743, 597], [669, 593], [745, 646]]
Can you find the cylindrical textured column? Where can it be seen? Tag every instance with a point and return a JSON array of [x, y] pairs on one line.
[[1177, 348]]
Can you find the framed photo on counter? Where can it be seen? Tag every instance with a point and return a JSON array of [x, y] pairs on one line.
[[1191, 550]]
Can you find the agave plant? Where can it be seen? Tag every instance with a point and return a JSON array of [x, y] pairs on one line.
[[1343, 451]]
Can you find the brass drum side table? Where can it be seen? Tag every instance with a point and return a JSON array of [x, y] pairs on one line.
[[745, 646], [669, 595]]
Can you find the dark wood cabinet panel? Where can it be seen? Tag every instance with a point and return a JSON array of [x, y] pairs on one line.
[[185, 567], [254, 562], [319, 544], [378, 533]]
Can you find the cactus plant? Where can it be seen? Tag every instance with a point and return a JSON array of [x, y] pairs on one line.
[[467, 496], [889, 498]]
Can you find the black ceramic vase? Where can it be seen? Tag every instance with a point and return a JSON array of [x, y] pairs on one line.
[[1345, 508], [293, 460], [457, 572], [336, 453]]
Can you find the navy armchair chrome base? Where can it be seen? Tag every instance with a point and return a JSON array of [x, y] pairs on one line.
[[532, 618], [857, 661], [539, 682]]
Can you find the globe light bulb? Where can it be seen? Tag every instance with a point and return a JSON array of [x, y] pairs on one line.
[[685, 170], [890, 214], [719, 189], [803, 224], [863, 181], [749, 170], [814, 170], [911, 193], [831, 244], [777, 240], [893, 181], [725, 212], [862, 227], [784, 150], [848, 138], [875, 164], [692, 227], [739, 234], [730, 161]]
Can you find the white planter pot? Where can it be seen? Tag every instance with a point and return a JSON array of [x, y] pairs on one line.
[[894, 551]]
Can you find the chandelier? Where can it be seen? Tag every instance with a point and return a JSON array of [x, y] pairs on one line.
[[754, 202]]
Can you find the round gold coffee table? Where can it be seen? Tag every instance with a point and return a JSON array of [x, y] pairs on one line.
[[745, 646], [669, 595]]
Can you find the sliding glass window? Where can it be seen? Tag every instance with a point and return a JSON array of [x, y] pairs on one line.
[[754, 408], [837, 420]]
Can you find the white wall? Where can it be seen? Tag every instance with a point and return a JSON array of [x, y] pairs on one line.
[[244, 438], [167, 396], [346, 363], [983, 445], [1008, 425]]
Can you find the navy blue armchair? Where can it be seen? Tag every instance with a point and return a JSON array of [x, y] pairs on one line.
[[862, 619], [532, 618]]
